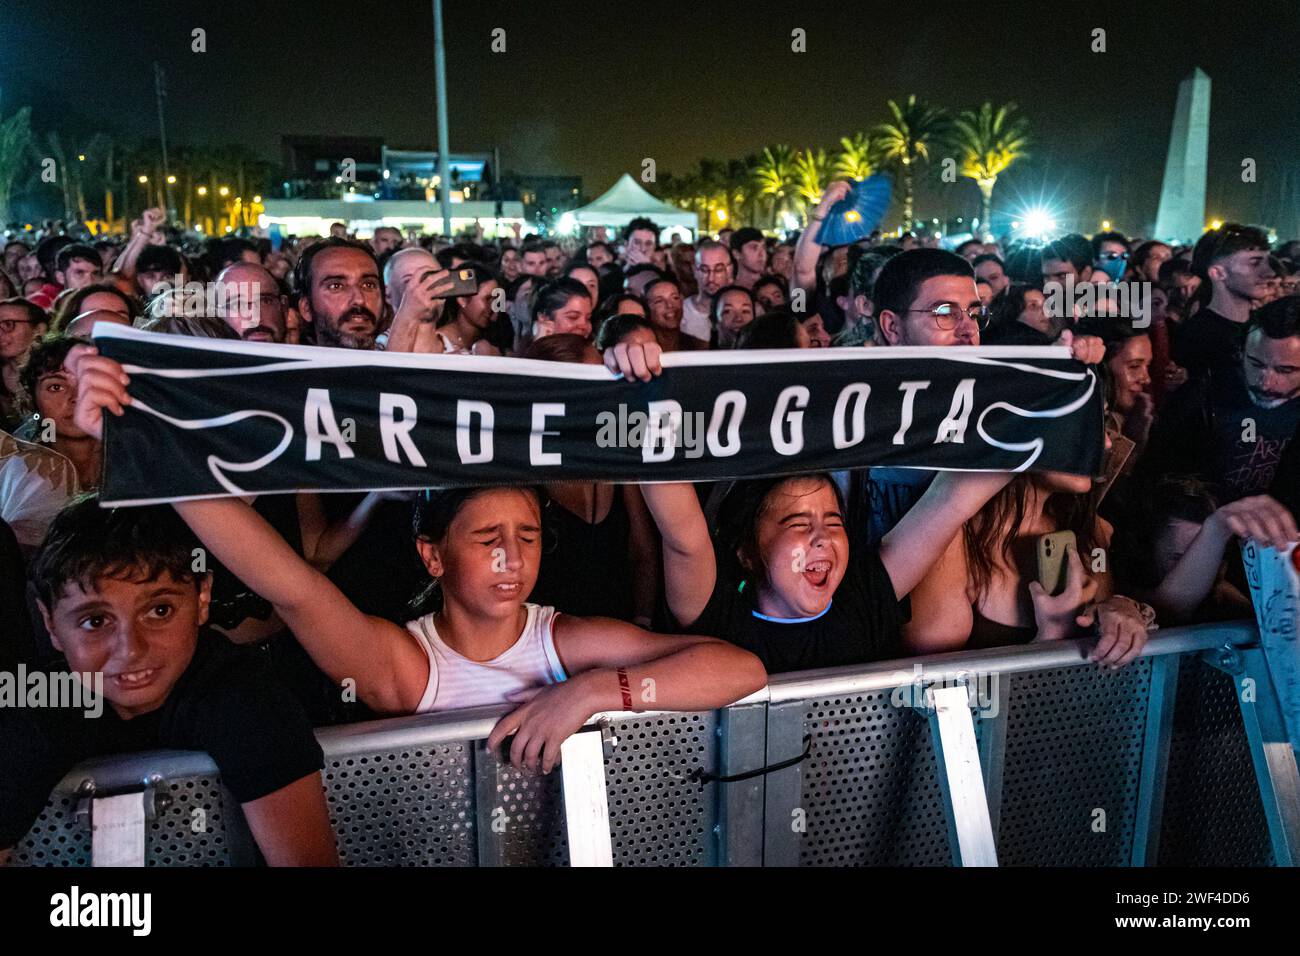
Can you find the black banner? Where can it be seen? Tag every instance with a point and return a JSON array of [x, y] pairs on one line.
[[212, 417]]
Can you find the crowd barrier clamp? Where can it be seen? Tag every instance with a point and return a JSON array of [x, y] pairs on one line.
[[1011, 756]]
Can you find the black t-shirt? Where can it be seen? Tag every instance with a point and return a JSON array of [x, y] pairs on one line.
[[1208, 341], [225, 703], [862, 623], [1244, 459]]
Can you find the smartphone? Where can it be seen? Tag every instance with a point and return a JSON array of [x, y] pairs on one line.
[[1051, 559], [463, 282]]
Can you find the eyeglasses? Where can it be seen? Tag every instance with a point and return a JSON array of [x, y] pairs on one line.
[[8, 325], [718, 270], [946, 315]]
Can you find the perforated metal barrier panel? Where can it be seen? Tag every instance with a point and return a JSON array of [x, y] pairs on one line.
[[1213, 815], [870, 788], [403, 807], [1072, 780], [1073, 754]]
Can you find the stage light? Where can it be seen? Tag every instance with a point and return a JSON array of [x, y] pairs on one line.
[[144, 179], [1217, 224], [203, 190], [1105, 224], [224, 190], [171, 180], [1037, 223]]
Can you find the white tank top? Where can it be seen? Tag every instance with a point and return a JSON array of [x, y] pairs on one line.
[[455, 681]]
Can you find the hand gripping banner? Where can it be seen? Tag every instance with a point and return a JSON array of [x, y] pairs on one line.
[[211, 417]]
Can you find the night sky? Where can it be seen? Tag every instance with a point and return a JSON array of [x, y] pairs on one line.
[[592, 88]]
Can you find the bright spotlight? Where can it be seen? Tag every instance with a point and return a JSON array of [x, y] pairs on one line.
[[1037, 223]]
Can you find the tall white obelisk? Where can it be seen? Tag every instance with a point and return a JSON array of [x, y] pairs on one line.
[[1181, 216]]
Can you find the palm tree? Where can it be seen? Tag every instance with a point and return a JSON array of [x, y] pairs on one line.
[[775, 177], [989, 141], [15, 143], [905, 141], [854, 158], [812, 172]]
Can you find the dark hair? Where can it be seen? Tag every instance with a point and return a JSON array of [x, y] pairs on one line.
[[302, 270], [639, 223], [1109, 236], [615, 327], [435, 510], [159, 258], [575, 264], [1218, 244], [47, 252], [987, 257], [86, 543], [1074, 249], [613, 305], [223, 250], [461, 250], [1112, 330], [563, 347], [1280, 319], [866, 270], [35, 314], [1143, 252], [738, 517], [663, 278], [638, 269], [716, 303], [993, 530], [552, 296], [968, 242], [593, 245], [482, 275], [532, 244], [901, 277], [744, 235], [775, 330], [70, 306], [1007, 307], [76, 250], [777, 281], [45, 358]]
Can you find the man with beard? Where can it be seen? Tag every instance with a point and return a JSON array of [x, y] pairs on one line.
[[385, 239], [1232, 263], [1232, 426], [254, 307], [713, 270], [340, 294]]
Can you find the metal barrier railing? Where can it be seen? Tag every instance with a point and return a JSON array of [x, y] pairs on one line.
[[1023, 756]]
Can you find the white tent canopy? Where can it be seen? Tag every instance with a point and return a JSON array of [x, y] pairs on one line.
[[626, 200]]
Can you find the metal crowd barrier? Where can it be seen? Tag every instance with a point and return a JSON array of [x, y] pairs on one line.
[[1178, 759]]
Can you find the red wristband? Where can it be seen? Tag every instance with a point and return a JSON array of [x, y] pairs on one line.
[[625, 688]]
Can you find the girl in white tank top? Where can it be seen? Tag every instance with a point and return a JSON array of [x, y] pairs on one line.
[[455, 681]]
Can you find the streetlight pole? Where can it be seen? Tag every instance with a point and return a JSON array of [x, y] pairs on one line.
[[160, 89], [444, 160]]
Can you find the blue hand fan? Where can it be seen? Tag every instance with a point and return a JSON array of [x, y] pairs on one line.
[[858, 214]]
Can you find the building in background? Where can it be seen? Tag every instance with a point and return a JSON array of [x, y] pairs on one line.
[[366, 183]]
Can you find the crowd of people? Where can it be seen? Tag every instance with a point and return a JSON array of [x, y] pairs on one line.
[[574, 598]]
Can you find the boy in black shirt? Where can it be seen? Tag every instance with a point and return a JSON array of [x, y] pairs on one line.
[[121, 601]]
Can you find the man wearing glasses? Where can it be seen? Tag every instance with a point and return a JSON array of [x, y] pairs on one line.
[[713, 270], [924, 297]]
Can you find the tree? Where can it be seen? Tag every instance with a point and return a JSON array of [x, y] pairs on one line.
[[989, 141], [15, 146], [854, 160], [904, 142], [775, 176], [812, 172]]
